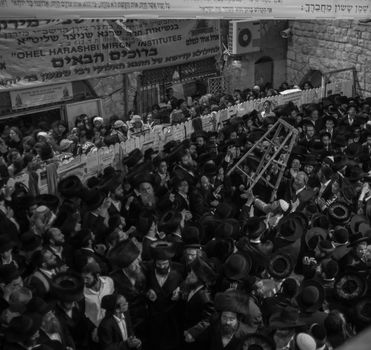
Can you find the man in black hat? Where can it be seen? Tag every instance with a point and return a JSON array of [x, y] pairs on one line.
[[227, 331], [96, 218], [67, 290], [254, 243], [163, 282], [130, 280], [198, 303], [23, 333]]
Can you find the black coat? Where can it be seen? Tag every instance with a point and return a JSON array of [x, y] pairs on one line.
[[197, 312], [135, 295], [164, 313], [109, 333], [78, 327]]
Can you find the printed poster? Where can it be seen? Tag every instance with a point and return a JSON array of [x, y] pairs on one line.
[[36, 52]]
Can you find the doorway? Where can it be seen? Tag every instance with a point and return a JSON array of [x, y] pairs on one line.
[[264, 71]]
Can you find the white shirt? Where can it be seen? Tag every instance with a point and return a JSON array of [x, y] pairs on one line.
[[116, 204], [93, 299], [122, 325], [323, 187]]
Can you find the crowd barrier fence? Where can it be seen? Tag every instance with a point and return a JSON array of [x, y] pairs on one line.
[[93, 163]]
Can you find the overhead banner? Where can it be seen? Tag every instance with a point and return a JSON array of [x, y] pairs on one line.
[[239, 9], [41, 95], [47, 52]]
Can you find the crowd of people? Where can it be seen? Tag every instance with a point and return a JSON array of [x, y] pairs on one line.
[[175, 253], [25, 147]]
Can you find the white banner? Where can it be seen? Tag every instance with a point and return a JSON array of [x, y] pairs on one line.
[[41, 95], [34, 52], [256, 9]]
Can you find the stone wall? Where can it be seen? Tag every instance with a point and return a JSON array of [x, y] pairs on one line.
[[111, 90], [330, 45]]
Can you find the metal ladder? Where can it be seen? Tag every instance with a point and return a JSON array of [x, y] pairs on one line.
[[276, 153]]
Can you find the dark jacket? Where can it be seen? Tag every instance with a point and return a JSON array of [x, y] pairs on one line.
[[197, 313], [135, 295], [109, 333]]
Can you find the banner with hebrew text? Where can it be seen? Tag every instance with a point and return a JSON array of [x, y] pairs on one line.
[[36, 52], [238, 9]]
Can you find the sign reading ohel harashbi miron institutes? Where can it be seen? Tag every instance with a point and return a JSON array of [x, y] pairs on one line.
[[34, 52], [257, 9]]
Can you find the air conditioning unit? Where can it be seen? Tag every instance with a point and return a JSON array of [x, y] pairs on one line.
[[244, 37]]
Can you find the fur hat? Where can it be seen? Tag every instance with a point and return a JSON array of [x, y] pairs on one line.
[[70, 186], [232, 301], [124, 254], [67, 286], [162, 250]]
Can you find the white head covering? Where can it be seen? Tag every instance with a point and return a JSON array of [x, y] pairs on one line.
[[305, 342], [284, 205], [98, 119]]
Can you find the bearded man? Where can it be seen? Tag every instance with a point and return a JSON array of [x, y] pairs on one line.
[[96, 287], [130, 281]]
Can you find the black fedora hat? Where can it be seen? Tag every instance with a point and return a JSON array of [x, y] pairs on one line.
[[191, 237], [340, 162], [353, 151], [258, 341], [280, 266], [350, 286], [170, 221], [70, 186], [313, 236], [302, 219], [355, 222], [255, 227], [339, 213], [30, 241], [311, 296], [204, 271], [67, 286], [162, 250], [39, 306], [357, 238], [290, 228], [123, 254], [6, 243], [362, 310], [110, 182], [142, 177], [355, 174], [286, 318], [237, 266], [310, 159], [8, 273], [209, 168], [49, 200], [169, 146], [23, 327], [133, 158], [94, 199]]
